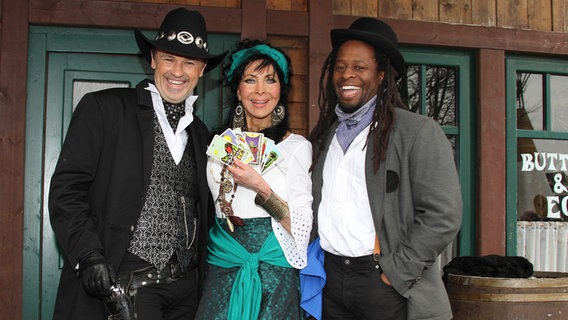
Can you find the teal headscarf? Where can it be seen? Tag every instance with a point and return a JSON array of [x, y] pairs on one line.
[[277, 56]]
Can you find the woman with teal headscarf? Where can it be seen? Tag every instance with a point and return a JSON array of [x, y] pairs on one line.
[[263, 218]]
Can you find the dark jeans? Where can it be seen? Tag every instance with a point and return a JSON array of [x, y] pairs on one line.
[[176, 300], [354, 290]]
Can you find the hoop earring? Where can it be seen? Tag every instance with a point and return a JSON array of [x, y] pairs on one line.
[[278, 114], [239, 117]]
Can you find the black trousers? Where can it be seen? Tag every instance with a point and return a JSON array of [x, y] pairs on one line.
[[172, 301], [354, 290]]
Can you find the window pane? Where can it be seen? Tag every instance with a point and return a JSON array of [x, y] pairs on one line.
[[530, 101], [81, 87], [542, 203], [440, 90], [559, 103], [542, 184], [411, 93], [441, 94], [454, 142]]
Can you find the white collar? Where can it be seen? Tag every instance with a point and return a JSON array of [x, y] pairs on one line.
[[184, 121]]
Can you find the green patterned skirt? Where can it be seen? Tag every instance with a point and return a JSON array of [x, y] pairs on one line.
[[280, 286]]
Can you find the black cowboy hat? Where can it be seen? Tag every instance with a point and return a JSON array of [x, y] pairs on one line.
[[182, 33], [374, 32]]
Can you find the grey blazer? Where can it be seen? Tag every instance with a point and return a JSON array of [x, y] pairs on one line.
[[416, 204]]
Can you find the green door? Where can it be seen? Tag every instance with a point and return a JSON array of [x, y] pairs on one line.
[[64, 64]]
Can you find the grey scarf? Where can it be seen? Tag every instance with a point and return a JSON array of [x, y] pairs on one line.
[[351, 124]]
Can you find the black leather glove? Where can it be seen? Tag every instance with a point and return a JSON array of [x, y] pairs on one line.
[[97, 276]]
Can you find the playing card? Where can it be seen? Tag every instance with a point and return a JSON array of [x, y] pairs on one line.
[[267, 146], [273, 156], [224, 150], [262, 147], [254, 141], [231, 136]]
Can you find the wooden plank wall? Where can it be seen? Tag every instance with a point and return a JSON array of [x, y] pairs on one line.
[[538, 15], [13, 55], [205, 3], [287, 5], [297, 50]]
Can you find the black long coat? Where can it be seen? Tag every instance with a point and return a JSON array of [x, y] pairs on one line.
[[100, 182]]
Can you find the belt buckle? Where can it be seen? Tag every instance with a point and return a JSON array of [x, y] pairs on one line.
[[376, 256], [175, 270]]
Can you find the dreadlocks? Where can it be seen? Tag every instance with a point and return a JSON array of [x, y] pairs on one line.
[[388, 98]]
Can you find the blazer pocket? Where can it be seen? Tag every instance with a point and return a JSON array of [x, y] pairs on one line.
[[392, 181]]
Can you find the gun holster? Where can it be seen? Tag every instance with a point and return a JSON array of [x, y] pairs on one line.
[[119, 304]]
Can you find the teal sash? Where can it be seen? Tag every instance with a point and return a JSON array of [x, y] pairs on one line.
[[226, 252]]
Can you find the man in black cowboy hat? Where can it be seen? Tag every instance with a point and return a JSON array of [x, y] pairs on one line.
[[129, 199], [380, 250]]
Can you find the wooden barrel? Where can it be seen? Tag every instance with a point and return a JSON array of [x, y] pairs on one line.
[[544, 296]]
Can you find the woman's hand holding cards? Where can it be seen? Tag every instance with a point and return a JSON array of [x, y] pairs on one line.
[[246, 175]]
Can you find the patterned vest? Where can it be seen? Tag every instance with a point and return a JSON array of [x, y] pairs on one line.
[[168, 220]]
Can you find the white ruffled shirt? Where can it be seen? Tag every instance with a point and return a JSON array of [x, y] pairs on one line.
[[289, 179], [176, 140]]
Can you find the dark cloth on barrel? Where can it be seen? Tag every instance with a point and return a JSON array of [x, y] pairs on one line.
[[490, 266]]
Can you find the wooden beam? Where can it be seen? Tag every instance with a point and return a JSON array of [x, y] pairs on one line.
[[287, 23], [13, 63], [136, 15], [492, 152], [100, 13], [321, 22], [254, 19], [472, 37]]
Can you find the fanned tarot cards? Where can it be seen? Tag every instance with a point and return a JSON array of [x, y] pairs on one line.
[[249, 147]]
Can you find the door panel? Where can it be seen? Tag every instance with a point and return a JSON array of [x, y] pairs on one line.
[[64, 64], [66, 72]]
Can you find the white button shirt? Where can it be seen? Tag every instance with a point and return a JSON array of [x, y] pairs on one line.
[[176, 141], [345, 222]]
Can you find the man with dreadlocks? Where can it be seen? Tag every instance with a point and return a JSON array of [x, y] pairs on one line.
[[380, 250]]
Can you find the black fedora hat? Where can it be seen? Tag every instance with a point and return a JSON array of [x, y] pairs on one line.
[[182, 33], [374, 32]]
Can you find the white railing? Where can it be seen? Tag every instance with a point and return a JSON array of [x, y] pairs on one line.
[[544, 243]]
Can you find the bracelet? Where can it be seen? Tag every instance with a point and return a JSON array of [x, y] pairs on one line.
[[274, 205]]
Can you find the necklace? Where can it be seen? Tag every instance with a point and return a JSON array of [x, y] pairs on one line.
[[225, 187]]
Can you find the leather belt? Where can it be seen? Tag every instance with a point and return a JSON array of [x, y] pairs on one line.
[[354, 263], [134, 279]]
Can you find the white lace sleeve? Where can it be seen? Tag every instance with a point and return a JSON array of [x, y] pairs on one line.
[[299, 184]]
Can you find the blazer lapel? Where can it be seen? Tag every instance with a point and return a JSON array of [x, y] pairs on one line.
[[146, 123], [199, 147], [376, 186]]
